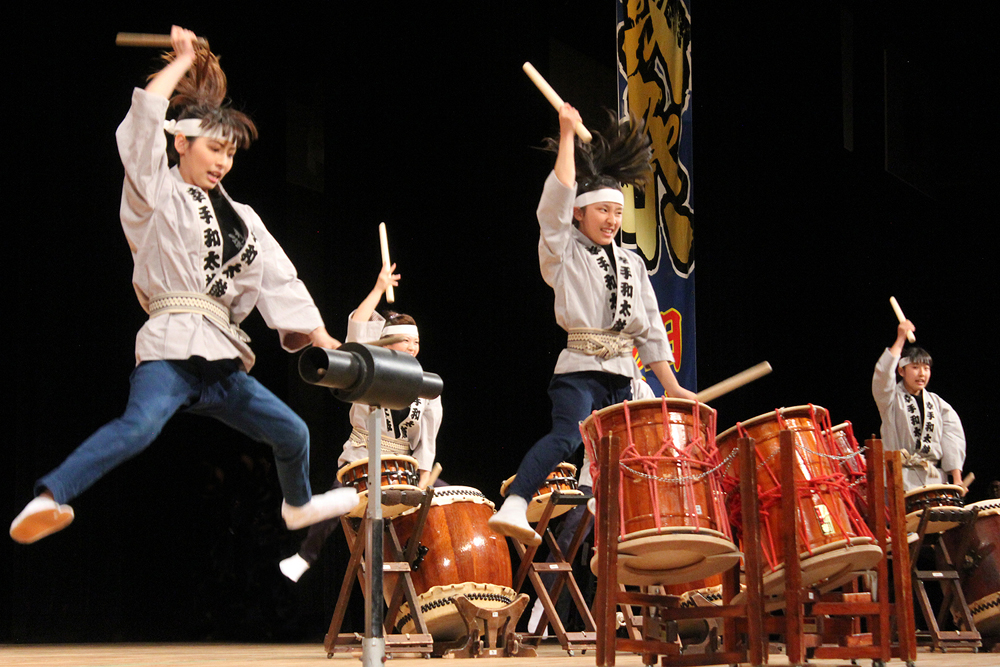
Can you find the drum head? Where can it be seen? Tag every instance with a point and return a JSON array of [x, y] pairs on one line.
[[674, 558], [443, 620], [787, 413], [833, 561], [537, 505]]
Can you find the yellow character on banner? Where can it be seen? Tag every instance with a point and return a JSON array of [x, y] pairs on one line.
[[655, 55], [672, 323]]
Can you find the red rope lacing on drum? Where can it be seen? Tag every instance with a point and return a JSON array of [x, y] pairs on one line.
[[684, 459], [820, 480]]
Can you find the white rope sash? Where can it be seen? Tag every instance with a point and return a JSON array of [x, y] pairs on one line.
[[192, 302], [600, 343], [390, 446]]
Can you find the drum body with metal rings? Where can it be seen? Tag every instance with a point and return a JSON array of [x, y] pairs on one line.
[[832, 536], [673, 522], [398, 472], [932, 496], [459, 554], [981, 568]]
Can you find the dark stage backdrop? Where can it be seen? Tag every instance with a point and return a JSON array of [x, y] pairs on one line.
[[424, 120]]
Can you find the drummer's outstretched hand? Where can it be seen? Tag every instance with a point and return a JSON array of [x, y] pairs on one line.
[[671, 387]]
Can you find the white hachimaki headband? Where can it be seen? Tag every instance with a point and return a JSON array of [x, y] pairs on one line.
[[906, 361], [191, 128], [400, 330], [602, 194]]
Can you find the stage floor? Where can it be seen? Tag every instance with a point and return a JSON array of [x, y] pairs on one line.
[[296, 655]]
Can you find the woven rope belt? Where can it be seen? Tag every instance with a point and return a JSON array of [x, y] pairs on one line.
[[390, 446], [916, 461], [192, 302], [600, 343]]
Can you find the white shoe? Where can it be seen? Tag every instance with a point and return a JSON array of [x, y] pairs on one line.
[[294, 567], [512, 521], [42, 516], [325, 506]]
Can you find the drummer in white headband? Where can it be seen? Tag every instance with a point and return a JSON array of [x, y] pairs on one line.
[[408, 432], [603, 298], [202, 263], [915, 420]]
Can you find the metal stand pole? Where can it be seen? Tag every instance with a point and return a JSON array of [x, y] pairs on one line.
[[373, 646]]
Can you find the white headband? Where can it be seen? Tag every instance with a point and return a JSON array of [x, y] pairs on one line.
[[603, 194], [400, 330], [191, 128]]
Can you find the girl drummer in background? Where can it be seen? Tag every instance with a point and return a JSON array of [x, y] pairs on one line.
[[411, 431], [603, 299], [919, 422]]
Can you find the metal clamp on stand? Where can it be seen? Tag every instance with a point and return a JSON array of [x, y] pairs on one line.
[[381, 378]]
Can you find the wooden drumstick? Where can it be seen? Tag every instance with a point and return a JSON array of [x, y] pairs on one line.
[[435, 471], [150, 40], [553, 97], [902, 318], [383, 240], [736, 381], [968, 480]]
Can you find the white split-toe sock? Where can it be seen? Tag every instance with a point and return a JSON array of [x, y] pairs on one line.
[[294, 567], [512, 520], [42, 516], [325, 506]]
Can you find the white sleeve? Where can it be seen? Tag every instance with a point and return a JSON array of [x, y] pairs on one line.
[[884, 382], [142, 147], [555, 222], [284, 302], [430, 424], [952, 439]]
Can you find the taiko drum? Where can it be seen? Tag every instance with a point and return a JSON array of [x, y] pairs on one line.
[[673, 523], [397, 472], [832, 536], [459, 555]]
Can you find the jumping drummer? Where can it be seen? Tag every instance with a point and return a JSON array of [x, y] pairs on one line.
[[603, 298], [918, 422], [411, 431]]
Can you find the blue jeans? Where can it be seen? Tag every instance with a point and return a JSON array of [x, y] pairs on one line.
[[574, 396], [219, 389]]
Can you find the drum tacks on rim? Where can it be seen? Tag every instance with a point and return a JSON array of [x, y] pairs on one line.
[[398, 472]]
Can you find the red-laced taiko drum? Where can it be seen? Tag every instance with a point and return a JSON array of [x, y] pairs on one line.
[[981, 566], [833, 537], [673, 524], [562, 479], [459, 555], [398, 472]]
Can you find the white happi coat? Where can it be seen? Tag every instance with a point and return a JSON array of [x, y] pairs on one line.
[[176, 246], [936, 444], [419, 428], [579, 273]]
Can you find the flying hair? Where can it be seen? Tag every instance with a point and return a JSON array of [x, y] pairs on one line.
[[618, 155], [201, 93]]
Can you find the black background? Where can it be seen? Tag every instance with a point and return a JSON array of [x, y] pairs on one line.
[[427, 123]]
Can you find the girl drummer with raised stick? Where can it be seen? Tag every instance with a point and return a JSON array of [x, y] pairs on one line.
[[919, 422], [203, 262], [409, 432], [603, 298]]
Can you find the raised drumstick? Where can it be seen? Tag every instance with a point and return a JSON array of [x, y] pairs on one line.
[[738, 380], [383, 240], [554, 98], [150, 40], [902, 318]]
